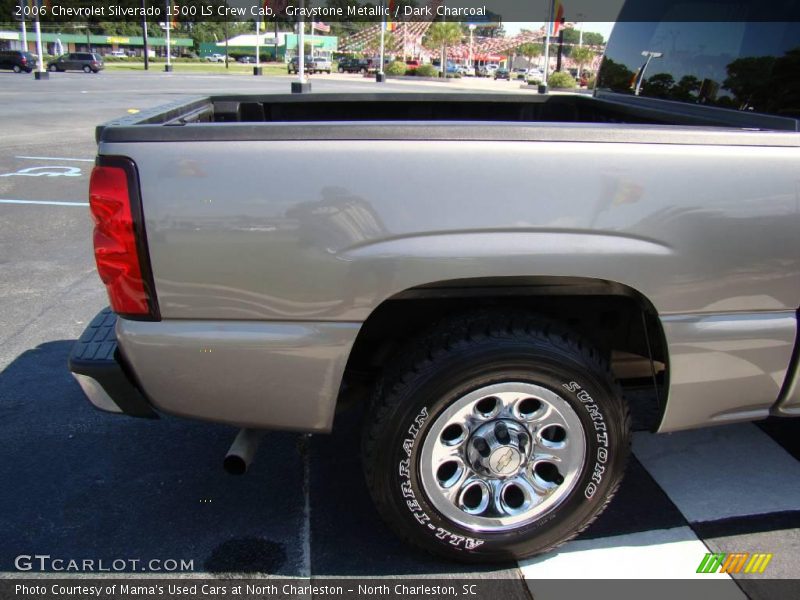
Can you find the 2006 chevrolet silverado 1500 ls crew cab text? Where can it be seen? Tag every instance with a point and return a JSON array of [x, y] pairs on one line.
[[495, 332]]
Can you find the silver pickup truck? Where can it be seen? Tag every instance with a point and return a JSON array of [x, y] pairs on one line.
[[504, 334]]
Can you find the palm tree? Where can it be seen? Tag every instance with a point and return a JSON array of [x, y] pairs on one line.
[[444, 34], [581, 55], [530, 51]]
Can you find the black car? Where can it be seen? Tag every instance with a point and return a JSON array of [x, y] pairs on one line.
[[88, 62], [353, 65], [17, 60], [246, 59], [502, 74]]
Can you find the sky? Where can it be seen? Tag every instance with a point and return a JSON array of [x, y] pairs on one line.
[[513, 28]]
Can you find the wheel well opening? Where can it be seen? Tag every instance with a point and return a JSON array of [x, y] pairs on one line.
[[615, 319]]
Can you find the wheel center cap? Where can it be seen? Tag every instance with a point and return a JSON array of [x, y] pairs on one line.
[[505, 460]]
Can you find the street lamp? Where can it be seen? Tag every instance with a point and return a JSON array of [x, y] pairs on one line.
[[650, 56]]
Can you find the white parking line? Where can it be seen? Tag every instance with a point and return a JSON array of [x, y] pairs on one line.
[[306, 527], [55, 158], [45, 202], [721, 472], [657, 554]]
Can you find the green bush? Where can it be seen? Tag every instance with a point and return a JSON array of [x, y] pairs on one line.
[[396, 68], [560, 79], [426, 71]]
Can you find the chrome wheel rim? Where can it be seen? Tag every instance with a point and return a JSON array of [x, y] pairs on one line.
[[502, 456]]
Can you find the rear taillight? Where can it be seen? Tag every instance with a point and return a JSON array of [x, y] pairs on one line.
[[115, 242], [24, 61]]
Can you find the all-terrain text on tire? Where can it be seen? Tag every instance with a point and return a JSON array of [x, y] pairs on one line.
[[501, 437]]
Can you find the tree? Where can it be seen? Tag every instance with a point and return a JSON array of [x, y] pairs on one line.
[[444, 34], [389, 42], [530, 51], [615, 76], [591, 38], [659, 85], [581, 56], [748, 80]]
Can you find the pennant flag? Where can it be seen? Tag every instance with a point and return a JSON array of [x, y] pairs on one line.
[[558, 18]]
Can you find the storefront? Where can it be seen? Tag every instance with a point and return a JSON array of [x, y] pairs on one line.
[[55, 44]]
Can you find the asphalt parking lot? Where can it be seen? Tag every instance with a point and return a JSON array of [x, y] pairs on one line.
[[83, 484]]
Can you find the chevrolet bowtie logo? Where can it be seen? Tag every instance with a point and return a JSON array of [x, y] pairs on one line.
[[504, 460]]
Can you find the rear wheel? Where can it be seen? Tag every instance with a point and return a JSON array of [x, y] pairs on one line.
[[17, 69], [501, 437], [52, 68]]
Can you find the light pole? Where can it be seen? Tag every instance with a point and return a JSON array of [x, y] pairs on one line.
[[380, 76], [650, 56], [472, 27], [24, 34], [301, 86], [547, 24], [40, 72], [145, 45], [168, 26], [257, 68], [580, 40]]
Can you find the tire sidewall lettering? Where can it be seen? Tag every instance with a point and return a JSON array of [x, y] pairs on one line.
[[462, 542], [594, 412]]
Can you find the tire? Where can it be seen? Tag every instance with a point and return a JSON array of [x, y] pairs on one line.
[[52, 68], [363, 71], [535, 431], [340, 70], [87, 69], [17, 69]]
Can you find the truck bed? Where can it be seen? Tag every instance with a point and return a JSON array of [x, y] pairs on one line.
[[512, 117]]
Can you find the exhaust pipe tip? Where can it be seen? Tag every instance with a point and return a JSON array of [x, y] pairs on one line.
[[242, 451], [234, 465]]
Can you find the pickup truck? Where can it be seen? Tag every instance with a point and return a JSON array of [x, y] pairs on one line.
[[310, 65], [502, 340]]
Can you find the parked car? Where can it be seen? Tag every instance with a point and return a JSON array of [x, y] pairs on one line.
[[451, 68], [487, 70], [534, 74], [352, 65], [215, 58], [246, 59], [465, 71], [519, 72], [17, 60], [413, 64], [88, 62], [501, 344], [293, 66], [501, 74], [117, 53]]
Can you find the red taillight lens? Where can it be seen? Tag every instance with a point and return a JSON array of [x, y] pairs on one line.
[[115, 241], [24, 60]]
